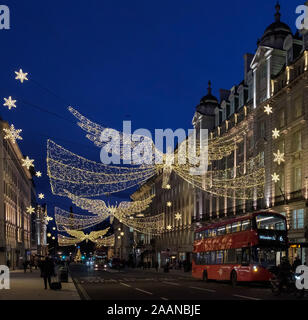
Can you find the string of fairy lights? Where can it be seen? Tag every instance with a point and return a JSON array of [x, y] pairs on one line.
[[80, 179], [83, 178]]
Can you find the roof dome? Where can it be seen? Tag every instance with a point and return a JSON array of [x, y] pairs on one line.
[[275, 34], [209, 97], [208, 103]]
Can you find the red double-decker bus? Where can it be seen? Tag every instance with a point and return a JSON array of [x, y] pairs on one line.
[[245, 248]]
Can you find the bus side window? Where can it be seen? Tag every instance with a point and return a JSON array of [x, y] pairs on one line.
[[221, 231], [238, 254], [228, 228], [213, 257], [245, 255], [230, 256], [239, 226], [214, 232], [234, 226], [220, 257], [245, 225], [198, 258]]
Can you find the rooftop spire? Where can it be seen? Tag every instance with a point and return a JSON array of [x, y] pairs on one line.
[[277, 14], [209, 89]]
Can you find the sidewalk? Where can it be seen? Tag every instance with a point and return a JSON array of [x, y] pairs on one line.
[[30, 286]]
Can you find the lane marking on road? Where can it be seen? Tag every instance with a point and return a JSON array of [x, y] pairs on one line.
[[172, 283], [81, 290], [164, 298], [203, 289], [125, 284], [245, 297], [147, 292]]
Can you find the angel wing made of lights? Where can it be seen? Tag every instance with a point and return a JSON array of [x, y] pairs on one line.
[[99, 207], [68, 171], [96, 131], [218, 147], [67, 220], [92, 236]]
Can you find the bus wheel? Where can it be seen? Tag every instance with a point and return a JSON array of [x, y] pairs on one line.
[[233, 278], [205, 278]]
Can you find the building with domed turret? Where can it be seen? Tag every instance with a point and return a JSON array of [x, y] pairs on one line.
[[272, 103], [272, 99]]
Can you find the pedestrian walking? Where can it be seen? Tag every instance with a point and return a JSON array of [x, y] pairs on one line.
[[25, 265], [297, 262], [156, 266], [47, 271], [30, 265]]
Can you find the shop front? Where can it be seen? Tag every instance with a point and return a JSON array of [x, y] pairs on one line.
[[298, 248]]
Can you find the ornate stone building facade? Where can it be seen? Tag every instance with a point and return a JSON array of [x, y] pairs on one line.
[[272, 101], [272, 98], [15, 196], [176, 202]]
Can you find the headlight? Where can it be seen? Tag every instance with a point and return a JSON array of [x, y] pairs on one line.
[[105, 266], [255, 268], [96, 266]]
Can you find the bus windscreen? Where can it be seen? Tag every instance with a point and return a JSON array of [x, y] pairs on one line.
[[270, 222]]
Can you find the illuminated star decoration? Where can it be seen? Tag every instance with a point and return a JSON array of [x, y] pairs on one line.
[[268, 109], [279, 157], [10, 103], [178, 216], [27, 163], [12, 134], [20, 75], [41, 196], [38, 174], [275, 177], [30, 210], [48, 219], [276, 133], [169, 227], [169, 204]]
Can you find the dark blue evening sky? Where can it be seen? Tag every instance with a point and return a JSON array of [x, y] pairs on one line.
[[147, 61]]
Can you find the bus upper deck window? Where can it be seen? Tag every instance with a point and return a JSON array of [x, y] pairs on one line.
[[246, 225], [228, 228], [236, 226], [221, 231]]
